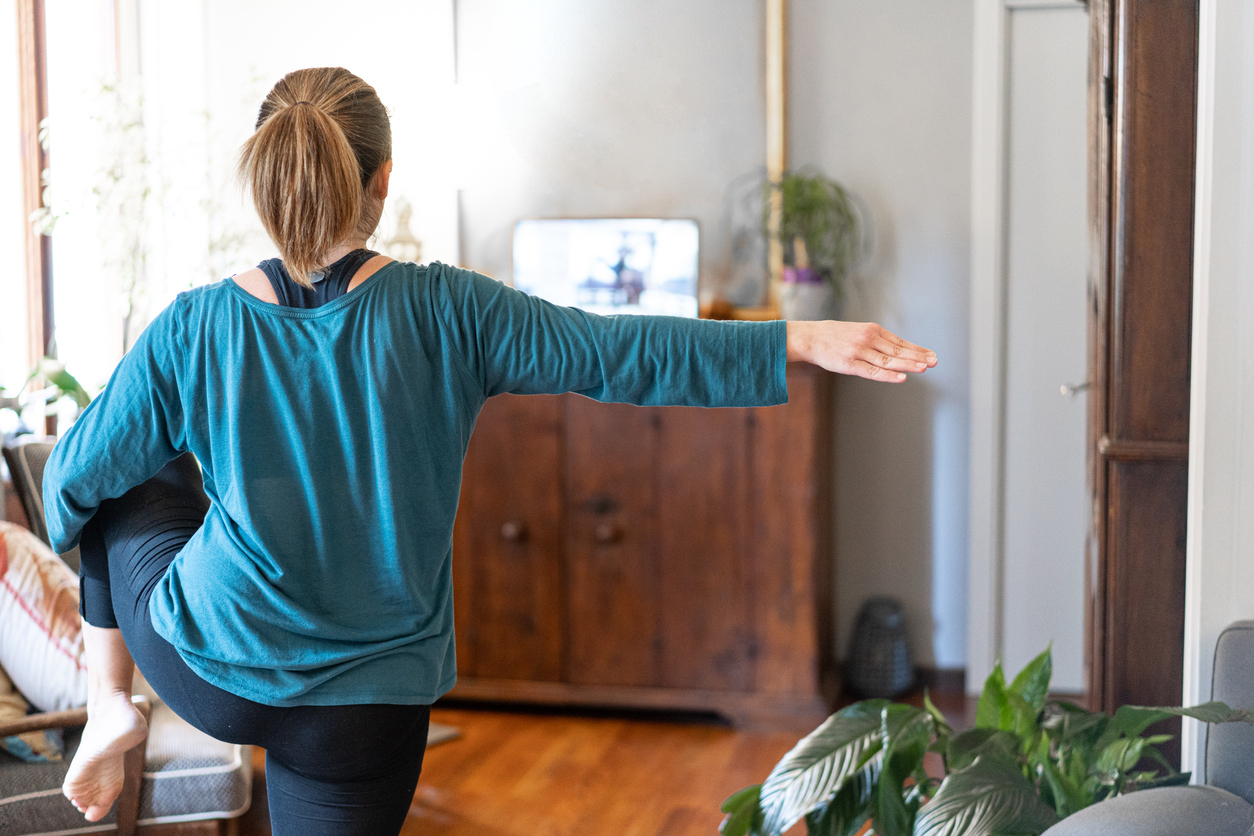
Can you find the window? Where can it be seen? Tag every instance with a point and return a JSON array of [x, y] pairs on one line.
[[14, 351], [148, 103]]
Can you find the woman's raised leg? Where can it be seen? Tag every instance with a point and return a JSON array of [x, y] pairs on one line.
[[343, 770], [152, 521]]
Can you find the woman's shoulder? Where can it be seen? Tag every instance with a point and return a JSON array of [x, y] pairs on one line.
[[435, 281], [457, 281], [254, 282]]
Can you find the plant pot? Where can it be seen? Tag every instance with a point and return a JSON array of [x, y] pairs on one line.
[[808, 300]]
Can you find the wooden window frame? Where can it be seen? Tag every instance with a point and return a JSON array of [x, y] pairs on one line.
[[32, 56]]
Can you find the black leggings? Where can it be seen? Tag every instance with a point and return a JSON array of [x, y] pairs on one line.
[[340, 769]]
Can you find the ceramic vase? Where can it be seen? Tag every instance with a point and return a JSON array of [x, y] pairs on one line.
[[804, 295]]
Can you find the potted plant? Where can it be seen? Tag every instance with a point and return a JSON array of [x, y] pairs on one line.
[[818, 233], [1029, 762]]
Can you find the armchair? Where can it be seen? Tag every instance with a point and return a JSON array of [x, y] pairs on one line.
[[126, 812], [179, 782], [1224, 805]]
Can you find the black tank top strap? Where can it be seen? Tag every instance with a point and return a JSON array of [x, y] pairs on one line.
[[329, 284]]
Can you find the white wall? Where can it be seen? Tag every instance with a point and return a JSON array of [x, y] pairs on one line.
[[1220, 548], [618, 108], [881, 100], [626, 108]]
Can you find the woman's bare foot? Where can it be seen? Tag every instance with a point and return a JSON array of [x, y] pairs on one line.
[[114, 726]]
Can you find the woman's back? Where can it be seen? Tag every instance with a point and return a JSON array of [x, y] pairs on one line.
[[332, 442]]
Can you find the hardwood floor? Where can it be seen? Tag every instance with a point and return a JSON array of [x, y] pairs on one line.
[[517, 774], [546, 774]]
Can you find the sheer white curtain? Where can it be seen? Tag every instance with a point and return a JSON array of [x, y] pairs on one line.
[[13, 349], [146, 116]]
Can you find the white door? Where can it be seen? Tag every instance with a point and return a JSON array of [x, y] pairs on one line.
[[1044, 502], [1029, 258]]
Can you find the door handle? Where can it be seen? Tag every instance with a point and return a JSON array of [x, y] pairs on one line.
[[514, 531], [607, 533], [601, 504], [1070, 390]]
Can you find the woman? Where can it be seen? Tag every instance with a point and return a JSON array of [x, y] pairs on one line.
[[302, 601]]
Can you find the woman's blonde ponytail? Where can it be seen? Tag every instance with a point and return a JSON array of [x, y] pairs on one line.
[[321, 136]]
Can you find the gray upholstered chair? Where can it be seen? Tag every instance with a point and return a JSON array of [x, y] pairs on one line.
[[1224, 805], [26, 460], [186, 781]]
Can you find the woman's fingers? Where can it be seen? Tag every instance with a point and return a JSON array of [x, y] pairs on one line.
[[884, 346], [862, 368], [903, 343], [899, 364], [891, 344]]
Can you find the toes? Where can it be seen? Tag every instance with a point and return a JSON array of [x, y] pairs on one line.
[[91, 811]]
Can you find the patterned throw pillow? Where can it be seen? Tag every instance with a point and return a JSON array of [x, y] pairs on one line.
[[41, 642], [33, 746]]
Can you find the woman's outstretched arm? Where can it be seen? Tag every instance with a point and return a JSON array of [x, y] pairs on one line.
[[512, 342], [857, 348]]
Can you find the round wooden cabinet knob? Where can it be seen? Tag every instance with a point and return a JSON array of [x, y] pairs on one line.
[[607, 533], [514, 531]]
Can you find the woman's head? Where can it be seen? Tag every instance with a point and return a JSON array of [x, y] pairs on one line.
[[322, 137]]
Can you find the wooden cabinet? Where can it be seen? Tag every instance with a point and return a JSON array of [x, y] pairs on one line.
[[650, 557]]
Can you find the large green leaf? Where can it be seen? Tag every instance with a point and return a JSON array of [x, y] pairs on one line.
[[1024, 717], [1068, 794], [1032, 683], [743, 812], [821, 763], [993, 710], [970, 744], [845, 814], [1134, 719], [906, 731], [1121, 755], [989, 797]]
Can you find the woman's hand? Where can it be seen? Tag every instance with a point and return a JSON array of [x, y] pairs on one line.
[[859, 348]]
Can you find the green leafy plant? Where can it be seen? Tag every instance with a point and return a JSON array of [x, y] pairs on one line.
[[1029, 762], [818, 226], [64, 384]]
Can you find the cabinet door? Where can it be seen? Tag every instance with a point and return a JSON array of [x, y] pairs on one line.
[[792, 536], [611, 544], [507, 543], [704, 537]]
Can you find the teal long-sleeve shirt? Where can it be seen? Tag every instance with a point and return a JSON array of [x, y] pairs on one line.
[[331, 442]]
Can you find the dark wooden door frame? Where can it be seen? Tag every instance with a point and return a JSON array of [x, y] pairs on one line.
[[1142, 110]]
